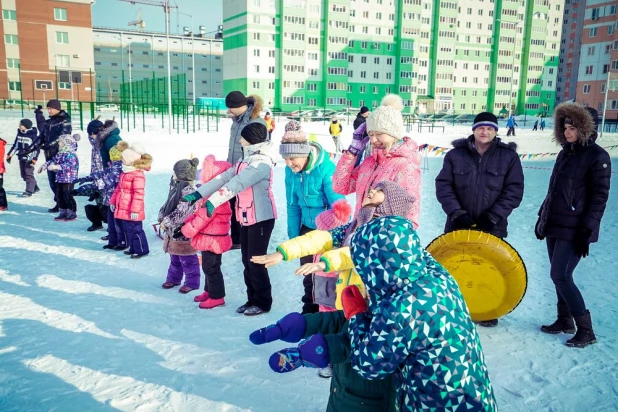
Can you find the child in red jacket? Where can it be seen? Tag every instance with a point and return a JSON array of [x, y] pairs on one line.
[[211, 236], [3, 203], [127, 202]]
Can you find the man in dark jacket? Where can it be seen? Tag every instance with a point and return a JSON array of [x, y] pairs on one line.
[[58, 124], [348, 391], [242, 110], [40, 118], [107, 137], [27, 154], [570, 217], [361, 117], [481, 182]]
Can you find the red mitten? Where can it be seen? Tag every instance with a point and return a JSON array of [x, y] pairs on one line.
[[352, 301]]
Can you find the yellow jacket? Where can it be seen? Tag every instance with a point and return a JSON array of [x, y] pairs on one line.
[[335, 129], [336, 259]]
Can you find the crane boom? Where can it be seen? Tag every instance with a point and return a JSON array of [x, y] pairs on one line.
[[164, 4]]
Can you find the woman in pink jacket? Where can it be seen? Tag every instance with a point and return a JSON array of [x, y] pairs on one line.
[[127, 202], [211, 235], [393, 157]]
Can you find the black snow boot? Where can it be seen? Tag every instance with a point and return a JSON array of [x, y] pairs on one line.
[[564, 323], [585, 334]]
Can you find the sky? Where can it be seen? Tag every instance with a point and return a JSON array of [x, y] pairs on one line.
[[207, 13]]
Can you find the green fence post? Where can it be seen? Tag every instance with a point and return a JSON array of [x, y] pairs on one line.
[[92, 110], [162, 120], [81, 116], [207, 119], [143, 118], [193, 118]]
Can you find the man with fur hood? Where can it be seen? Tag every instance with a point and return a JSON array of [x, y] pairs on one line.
[[481, 182], [570, 217], [242, 110]]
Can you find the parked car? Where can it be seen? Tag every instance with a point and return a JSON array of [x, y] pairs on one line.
[[298, 114], [12, 104], [107, 108], [465, 118], [448, 118]]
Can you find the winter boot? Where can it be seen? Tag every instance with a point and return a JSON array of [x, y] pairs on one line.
[[584, 335], [186, 289], [212, 303], [492, 323], [62, 215], [564, 323], [70, 216], [54, 209], [201, 298]]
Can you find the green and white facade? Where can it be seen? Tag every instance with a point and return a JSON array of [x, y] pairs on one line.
[[437, 55]]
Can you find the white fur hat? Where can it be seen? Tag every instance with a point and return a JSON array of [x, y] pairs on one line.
[[387, 118]]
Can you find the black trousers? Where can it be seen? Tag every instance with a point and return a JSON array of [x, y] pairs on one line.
[[3, 201], [307, 299], [64, 194], [213, 284], [235, 231], [254, 242], [97, 215], [563, 262], [51, 177], [511, 131]]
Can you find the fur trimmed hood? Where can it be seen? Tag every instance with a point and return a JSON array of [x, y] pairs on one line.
[[257, 104], [468, 143], [581, 118]]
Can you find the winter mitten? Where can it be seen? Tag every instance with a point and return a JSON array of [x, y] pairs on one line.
[[537, 231], [192, 197], [8, 159], [352, 301], [310, 353], [581, 244], [53, 167], [177, 233], [359, 140], [134, 216], [93, 196], [486, 222], [463, 221], [43, 167], [210, 208], [290, 328], [112, 208]]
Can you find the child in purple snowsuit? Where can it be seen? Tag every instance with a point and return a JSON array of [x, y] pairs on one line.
[[183, 257], [66, 165]]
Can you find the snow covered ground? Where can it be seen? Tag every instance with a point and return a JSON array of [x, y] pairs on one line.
[[85, 329]]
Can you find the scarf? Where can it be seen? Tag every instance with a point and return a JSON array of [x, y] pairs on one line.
[[364, 215], [174, 196], [127, 169]]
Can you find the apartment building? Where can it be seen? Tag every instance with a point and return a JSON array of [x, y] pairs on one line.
[[46, 50], [599, 57], [570, 47], [125, 56], [439, 55]]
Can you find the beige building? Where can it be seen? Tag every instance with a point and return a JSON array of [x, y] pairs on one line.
[[46, 49]]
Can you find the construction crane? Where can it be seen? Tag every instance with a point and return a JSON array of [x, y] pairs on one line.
[[139, 23]]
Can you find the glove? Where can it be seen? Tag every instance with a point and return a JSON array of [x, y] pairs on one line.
[[581, 244], [210, 208], [112, 208], [310, 353], [352, 301], [8, 159], [290, 328], [53, 167], [486, 222], [463, 222], [94, 196], [192, 197], [80, 180], [359, 140], [134, 216], [43, 167], [537, 230], [177, 233]]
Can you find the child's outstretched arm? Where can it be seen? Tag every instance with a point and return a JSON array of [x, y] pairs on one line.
[[316, 241], [250, 175]]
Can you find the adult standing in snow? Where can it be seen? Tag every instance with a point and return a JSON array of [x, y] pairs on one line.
[[361, 117], [481, 182], [510, 124], [393, 157], [570, 217], [58, 124], [40, 118], [309, 191], [536, 125], [107, 137], [242, 110], [542, 124]]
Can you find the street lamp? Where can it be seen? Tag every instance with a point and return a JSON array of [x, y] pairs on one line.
[[130, 68], [192, 53]]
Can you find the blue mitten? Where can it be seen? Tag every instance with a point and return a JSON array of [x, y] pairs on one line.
[[290, 328], [310, 353]]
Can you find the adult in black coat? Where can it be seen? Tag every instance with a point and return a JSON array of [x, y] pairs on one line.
[[40, 118], [58, 124], [570, 217], [481, 182], [361, 117]]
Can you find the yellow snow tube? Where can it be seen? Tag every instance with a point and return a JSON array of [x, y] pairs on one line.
[[490, 273]]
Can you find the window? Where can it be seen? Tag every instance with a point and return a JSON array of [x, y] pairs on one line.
[[60, 14], [256, 52], [271, 53], [271, 69], [256, 85], [589, 69], [256, 36], [62, 37], [12, 63], [586, 88], [9, 15], [610, 29], [256, 68], [10, 39], [15, 86], [593, 32], [62, 60]]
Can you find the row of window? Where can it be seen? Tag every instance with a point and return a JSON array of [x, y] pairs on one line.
[[59, 14], [62, 37], [65, 63]]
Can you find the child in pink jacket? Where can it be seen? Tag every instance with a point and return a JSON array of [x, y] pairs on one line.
[[127, 202], [393, 157], [211, 236]]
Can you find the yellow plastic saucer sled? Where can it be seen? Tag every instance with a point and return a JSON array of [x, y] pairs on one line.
[[490, 273]]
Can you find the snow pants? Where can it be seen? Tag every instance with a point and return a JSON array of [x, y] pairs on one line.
[[254, 242], [115, 230], [136, 238], [3, 201], [187, 265], [563, 262], [64, 196], [26, 170], [213, 282]]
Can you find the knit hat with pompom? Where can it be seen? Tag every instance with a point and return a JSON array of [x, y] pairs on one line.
[[211, 168], [387, 118], [186, 169], [294, 142], [339, 215]]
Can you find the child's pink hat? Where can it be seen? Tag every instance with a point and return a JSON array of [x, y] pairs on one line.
[[339, 215]]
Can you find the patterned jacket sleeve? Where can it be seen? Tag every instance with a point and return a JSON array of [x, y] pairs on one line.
[[316, 241], [344, 180], [175, 219], [379, 346], [338, 235]]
